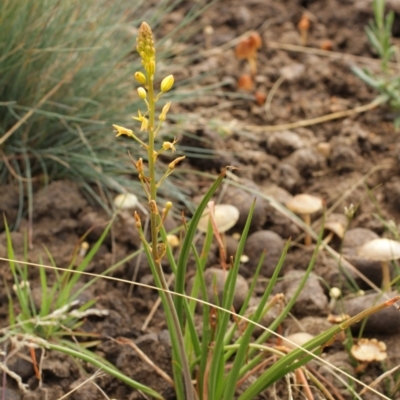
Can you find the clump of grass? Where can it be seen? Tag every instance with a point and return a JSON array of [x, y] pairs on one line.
[[65, 70], [53, 323], [379, 32]]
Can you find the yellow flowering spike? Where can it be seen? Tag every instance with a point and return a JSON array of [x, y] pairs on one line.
[[145, 48], [167, 83], [145, 42], [123, 131]]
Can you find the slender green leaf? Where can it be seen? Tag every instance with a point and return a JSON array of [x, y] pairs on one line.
[[184, 255], [216, 378]]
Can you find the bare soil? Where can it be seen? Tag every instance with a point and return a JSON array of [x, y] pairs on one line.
[[350, 160]]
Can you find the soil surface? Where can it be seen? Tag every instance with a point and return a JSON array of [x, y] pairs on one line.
[[349, 160]]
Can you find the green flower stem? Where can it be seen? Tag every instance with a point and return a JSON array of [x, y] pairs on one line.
[[153, 187], [154, 220]]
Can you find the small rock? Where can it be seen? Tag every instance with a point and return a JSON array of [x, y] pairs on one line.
[[312, 299], [307, 161], [287, 177], [343, 158], [256, 243], [147, 339], [341, 360], [209, 140], [269, 317], [293, 71], [284, 143], [295, 340], [312, 325], [165, 338], [276, 220], [243, 201], [324, 148], [219, 276], [325, 266], [386, 321], [277, 193], [354, 238], [212, 257], [231, 245], [20, 366], [59, 365], [143, 291]]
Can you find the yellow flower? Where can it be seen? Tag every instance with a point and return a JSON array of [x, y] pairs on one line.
[[163, 115], [123, 131], [143, 120], [170, 145]]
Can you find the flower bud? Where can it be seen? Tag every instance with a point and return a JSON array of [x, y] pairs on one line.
[[138, 222], [151, 69], [167, 83], [140, 77], [173, 241], [142, 93], [145, 42]]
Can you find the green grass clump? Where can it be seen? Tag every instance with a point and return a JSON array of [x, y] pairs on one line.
[[65, 75], [379, 33], [54, 322]]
